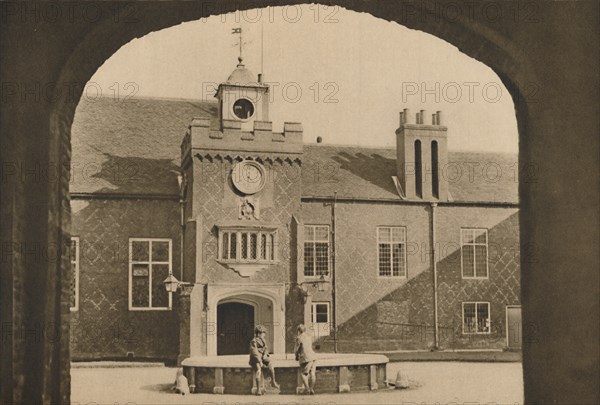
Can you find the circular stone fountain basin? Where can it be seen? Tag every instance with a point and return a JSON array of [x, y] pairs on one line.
[[335, 373]]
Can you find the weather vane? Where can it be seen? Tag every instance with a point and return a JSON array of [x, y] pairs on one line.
[[241, 43]]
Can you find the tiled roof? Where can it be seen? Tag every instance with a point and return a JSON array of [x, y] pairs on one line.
[[358, 172], [133, 147]]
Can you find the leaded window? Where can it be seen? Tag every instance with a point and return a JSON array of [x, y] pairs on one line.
[[247, 245], [150, 263], [316, 250], [474, 252], [476, 317], [391, 251]]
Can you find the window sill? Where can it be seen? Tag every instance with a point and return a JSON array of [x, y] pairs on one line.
[[247, 269], [316, 278], [392, 277]]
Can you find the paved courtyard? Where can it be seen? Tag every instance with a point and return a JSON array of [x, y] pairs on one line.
[[432, 382]]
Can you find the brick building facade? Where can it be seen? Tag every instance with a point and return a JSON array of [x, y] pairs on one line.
[[377, 248]]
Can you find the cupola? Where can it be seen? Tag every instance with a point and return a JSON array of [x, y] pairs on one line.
[[243, 98]]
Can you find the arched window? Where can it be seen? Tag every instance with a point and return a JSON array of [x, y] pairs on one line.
[[435, 186], [418, 170]]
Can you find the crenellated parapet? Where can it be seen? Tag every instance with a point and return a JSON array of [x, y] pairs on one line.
[[232, 140]]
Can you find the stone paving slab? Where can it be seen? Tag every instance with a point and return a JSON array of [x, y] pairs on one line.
[[431, 383], [114, 364], [485, 356]]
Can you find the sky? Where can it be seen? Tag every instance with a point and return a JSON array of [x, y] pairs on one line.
[[344, 75]]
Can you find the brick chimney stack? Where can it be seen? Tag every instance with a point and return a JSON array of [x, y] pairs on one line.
[[421, 156]]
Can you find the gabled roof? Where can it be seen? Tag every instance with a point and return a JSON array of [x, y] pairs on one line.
[[133, 147]]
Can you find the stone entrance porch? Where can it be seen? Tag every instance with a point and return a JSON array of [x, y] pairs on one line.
[[259, 303]]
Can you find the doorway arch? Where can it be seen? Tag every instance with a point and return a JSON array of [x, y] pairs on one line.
[[236, 320], [268, 303]]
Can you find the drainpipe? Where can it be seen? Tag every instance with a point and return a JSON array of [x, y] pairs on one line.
[[333, 295], [181, 236], [435, 286], [182, 188]]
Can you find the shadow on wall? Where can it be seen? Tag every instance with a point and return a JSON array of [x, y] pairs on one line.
[[404, 319], [127, 175]]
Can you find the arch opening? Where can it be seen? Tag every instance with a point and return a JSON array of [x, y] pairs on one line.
[[67, 110], [425, 160], [237, 316]]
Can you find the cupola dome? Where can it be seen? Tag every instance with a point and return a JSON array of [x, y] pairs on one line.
[[241, 75]]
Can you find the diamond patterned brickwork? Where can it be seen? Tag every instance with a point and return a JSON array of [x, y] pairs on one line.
[[217, 202], [189, 238], [500, 289], [103, 327], [389, 314], [366, 302]]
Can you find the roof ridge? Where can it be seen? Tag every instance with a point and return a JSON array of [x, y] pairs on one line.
[[150, 98], [484, 152], [346, 145], [393, 147]]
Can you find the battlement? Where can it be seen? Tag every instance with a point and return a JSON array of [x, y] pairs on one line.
[[231, 138]]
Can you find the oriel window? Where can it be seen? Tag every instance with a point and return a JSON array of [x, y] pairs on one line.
[[246, 245]]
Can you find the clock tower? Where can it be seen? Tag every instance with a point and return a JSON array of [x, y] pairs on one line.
[[241, 197]]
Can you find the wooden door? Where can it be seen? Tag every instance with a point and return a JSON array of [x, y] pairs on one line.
[[235, 328], [514, 336]]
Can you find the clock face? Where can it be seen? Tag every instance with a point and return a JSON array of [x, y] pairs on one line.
[[243, 109], [248, 177]]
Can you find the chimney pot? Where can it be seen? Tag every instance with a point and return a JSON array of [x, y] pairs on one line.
[[407, 116], [439, 118]]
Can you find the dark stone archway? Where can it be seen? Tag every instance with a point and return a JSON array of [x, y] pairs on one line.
[[546, 54]]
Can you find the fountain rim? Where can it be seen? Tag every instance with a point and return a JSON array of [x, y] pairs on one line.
[[287, 360]]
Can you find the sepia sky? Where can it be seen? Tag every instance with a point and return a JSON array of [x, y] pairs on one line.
[[343, 74]]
